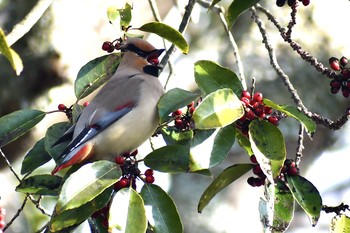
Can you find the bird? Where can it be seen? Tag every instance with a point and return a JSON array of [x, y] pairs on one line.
[[123, 114]]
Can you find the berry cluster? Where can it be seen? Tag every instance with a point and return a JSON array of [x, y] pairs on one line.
[[182, 121], [2, 218], [255, 109], [290, 168], [260, 179], [130, 171], [111, 46], [281, 3], [342, 81]]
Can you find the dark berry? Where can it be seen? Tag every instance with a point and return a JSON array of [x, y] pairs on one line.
[[257, 170], [134, 153], [288, 162], [273, 120], [122, 183], [253, 159], [250, 115], [291, 2], [258, 97], [345, 91], [108, 46], [259, 182], [280, 3], [245, 94], [190, 105], [251, 181], [343, 61], [259, 111], [306, 2], [62, 107], [149, 172], [120, 160], [267, 110], [292, 171]]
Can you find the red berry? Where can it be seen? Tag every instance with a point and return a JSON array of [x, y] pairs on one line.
[[334, 63], [2, 224], [85, 104], [257, 170], [245, 94], [245, 101], [306, 2], [259, 182], [253, 159], [122, 183], [273, 120], [62, 107], [149, 179], [2, 217], [120, 160], [345, 91], [192, 110], [343, 61], [178, 122], [108, 46], [190, 105], [149, 172], [292, 171], [335, 84], [250, 115], [258, 97], [177, 112], [267, 110], [134, 153], [259, 111]]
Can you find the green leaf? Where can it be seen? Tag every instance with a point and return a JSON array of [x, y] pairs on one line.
[[76, 111], [87, 183], [76, 216], [36, 157], [161, 210], [10, 54], [218, 109], [211, 77], [167, 33], [307, 196], [53, 133], [292, 111], [170, 159], [228, 176], [277, 208], [172, 136], [244, 142], [236, 8], [268, 145], [220, 142], [95, 73], [172, 100], [120, 17], [127, 212], [18, 123], [340, 224], [40, 184]]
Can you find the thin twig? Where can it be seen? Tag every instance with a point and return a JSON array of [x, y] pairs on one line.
[[221, 12], [182, 28], [17, 213], [28, 22], [293, 20], [300, 146], [9, 165]]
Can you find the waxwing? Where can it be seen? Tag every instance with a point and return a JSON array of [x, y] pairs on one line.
[[123, 114]]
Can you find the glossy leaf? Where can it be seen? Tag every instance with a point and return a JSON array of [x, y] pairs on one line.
[[218, 109], [220, 143], [171, 159], [167, 33], [268, 145], [161, 210], [307, 196], [36, 157], [127, 212], [236, 8], [10, 54], [95, 73], [244, 142], [76, 216], [292, 111], [53, 133], [340, 224], [87, 183], [277, 207], [18, 123], [40, 184], [172, 136], [228, 176], [211, 77], [173, 100]]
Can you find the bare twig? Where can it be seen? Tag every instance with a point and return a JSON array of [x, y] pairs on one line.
[[293, 20], [221, 12], [17, 213], [9, 165], [28, 22], [182, 28]]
